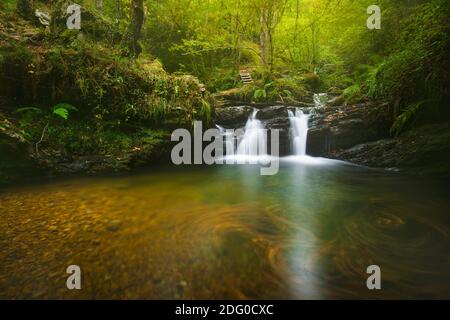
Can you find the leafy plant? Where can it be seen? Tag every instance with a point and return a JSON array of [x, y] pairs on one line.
[[353, 93], [262, 93], [406, 119], [62, 110]]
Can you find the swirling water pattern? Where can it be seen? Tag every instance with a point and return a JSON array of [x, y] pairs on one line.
[[226, 232]]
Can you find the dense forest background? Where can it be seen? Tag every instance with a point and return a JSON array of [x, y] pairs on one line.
[[138, 68]]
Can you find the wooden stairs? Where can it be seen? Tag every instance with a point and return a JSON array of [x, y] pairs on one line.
[[246, 77]]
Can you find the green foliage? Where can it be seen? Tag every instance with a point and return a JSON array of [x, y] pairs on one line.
[[82, 138], [406, 119], [109, 88], [8, 5], [312, 81], [28, 109], [206, 111], [414, 71], [260, 93], [353, 94], [62, 110]]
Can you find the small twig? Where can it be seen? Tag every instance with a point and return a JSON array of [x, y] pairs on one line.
[[42, 137]]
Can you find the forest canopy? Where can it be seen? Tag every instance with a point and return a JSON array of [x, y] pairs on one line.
[[321, 43]]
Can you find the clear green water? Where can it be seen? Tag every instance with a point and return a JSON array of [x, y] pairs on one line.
[[226, 232]]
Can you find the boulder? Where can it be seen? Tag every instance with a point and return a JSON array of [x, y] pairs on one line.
[[232, 117], [272, 112]]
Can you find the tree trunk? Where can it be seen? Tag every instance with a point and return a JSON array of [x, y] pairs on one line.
[[263, 36], [25, 8], [237, 40], [137, 20], [314, 46], [118, 9]]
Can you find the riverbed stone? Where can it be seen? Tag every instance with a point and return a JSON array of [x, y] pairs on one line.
[[114, 225]]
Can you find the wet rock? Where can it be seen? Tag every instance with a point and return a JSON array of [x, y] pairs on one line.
[[272, 113], [425, 149], [338, 128], [114, 225], [281, 124], [183, 283], [232, 117], [181, 286]]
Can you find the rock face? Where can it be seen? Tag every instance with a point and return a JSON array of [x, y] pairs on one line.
[[423, 150], [276, 118], [335, 128]]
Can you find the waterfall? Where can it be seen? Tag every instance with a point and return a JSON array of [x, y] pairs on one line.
[[320, 99], [228, 140], [254, 140], [299, 131]]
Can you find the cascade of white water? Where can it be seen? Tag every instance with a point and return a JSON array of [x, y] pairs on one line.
[[320, 99], [299, 131], [228, 137], [254, 141]]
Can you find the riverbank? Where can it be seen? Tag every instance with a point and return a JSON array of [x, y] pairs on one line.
[[72, 102]]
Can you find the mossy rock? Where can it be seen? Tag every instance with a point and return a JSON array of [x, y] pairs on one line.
[[312, 80], [92, 24]]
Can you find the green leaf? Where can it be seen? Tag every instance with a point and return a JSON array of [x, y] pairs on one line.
[[62, 112], [66, 106], [259, 93], [404, 120], [27, 109], [288, 93]]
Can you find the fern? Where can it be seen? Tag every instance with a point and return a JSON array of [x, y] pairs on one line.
[[260, 93], [28, 109], [406, 119], [62, 110], [206, 111]]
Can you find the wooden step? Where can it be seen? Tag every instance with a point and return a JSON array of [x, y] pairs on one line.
[[246, 77]]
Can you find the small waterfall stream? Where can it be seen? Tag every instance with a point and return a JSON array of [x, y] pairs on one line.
[[254, 141], [320, 99], [299, 131]]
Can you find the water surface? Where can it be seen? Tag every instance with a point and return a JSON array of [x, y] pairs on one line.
[[226, 232]]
